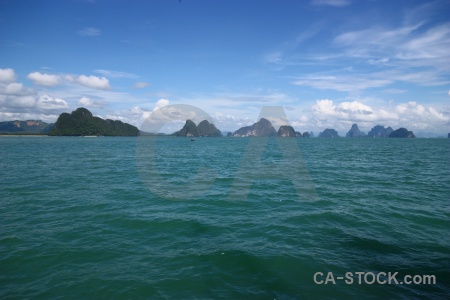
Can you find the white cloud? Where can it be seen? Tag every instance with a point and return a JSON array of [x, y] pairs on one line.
[[336, 3], [14, 96], [89, 31], [95, 82], [161, 103], [411, 45], [46, 117], [46, 102], [343, 83], [14, 88], [116, 74], [414, 116], [349, 111], [17, 102], [44, 79], [7, 75], [85, 101], [141, 85], [88, 102], [394, 91]]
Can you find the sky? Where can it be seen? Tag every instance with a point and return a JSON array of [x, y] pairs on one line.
[[328, 63]]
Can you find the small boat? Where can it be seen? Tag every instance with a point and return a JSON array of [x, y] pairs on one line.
[[193, 140]]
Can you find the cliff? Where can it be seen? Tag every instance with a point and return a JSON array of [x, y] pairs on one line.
[[208, 129], [189, 129], [261, 128], [355, 132], [380, 132], [287, 131], [81, 122], [402, 133]]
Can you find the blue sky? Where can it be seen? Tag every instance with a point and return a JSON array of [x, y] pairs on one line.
[[329, 63]]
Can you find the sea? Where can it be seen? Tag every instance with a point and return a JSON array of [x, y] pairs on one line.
[[224, 218]]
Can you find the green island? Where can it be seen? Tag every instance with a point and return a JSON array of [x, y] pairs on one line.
[[81, 122]]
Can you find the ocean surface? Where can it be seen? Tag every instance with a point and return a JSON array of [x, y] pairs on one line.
[[222, 218]]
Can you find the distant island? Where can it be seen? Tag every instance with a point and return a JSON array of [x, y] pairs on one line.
[[329, 133], [380, 132], [401, 133], [81, 122], [204, 129], [355, 132], [264, 128], [25, 127]]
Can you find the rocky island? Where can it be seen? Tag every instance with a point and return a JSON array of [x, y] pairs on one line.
[[261, 128], [81, 122], [288, 131], [25, 127], [402, 133], [355, 132], [329, 133], [204, 129], [380, 132]]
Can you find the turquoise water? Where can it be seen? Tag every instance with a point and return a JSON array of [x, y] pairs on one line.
[[221, 218]]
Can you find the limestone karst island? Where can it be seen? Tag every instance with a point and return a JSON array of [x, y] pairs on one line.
[[81, 122]]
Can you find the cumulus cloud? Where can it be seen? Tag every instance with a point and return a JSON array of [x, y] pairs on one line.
[[85, 101], [13, 102], [95, 82], [44, 79], [46, 102], [88, 102], [89, 31], [14, 88], [15, 96], [161, 103], [7, 75], [141, 85], [349, 111]]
